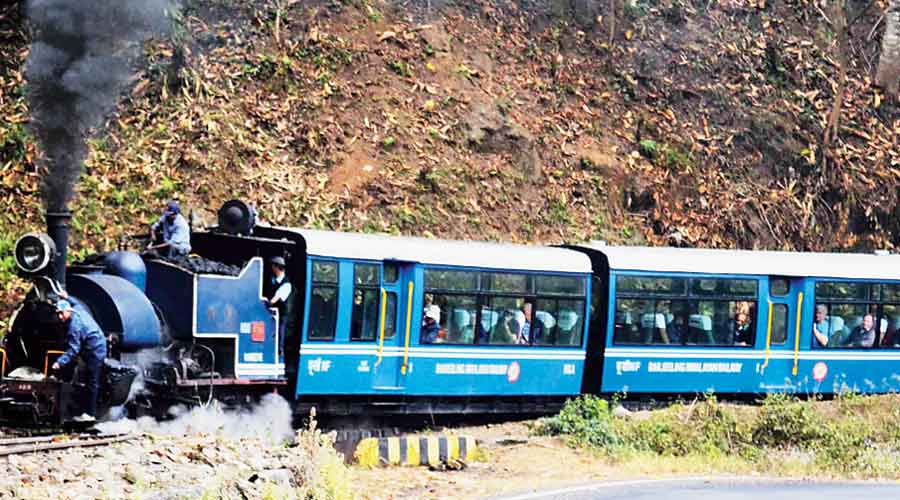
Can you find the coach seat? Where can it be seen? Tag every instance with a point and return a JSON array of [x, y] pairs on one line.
[[700, 328]]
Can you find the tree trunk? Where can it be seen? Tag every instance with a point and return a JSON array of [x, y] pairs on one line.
[[888, 74], [832, 130]]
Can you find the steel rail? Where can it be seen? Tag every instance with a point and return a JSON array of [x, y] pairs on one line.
[[17, 446]]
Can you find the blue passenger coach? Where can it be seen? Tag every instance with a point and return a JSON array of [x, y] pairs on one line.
[[404, 318], [688, 320]]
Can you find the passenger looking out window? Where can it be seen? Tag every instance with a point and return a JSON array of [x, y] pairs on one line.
[[863, 335], [743, 333], [431, 327], [821, 326]]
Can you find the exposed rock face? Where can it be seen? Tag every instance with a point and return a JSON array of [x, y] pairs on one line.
[[488, 130]]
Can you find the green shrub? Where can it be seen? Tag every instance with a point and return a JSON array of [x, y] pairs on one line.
[[585, 421], [706, 427], [785, 421], [842, 444]]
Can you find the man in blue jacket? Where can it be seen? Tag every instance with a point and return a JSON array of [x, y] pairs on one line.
[[175, 232], [83, 337]]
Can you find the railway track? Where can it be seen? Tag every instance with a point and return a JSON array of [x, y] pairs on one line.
[[16, 446]]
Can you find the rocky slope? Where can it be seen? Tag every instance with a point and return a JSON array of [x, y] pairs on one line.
[[672, 122]]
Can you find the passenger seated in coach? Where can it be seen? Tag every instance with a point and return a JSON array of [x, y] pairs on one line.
[[525, 326], [504, 332], [743, 334], [677, 330], [431, 328], [863, 335], [821, 326], [892, 337]]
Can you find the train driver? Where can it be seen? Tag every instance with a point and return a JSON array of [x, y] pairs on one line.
[[176, 235], [85, 338], [279, 295]]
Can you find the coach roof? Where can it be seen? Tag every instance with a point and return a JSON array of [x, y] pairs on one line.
[[443, 252], [694, 260]]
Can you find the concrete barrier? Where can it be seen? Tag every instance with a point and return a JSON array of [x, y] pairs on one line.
[[414, 450]]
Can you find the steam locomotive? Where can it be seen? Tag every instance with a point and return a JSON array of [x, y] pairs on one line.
[[174, 335]]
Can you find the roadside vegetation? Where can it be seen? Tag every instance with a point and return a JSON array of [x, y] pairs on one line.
[[851, 436]]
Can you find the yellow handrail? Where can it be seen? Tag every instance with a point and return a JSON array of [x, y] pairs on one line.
[[47, 358], [3, 368], [768, 336], [797, 333], [409, 301], [381, 328]]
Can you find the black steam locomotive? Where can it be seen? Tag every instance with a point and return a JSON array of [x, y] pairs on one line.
[[175, 330]]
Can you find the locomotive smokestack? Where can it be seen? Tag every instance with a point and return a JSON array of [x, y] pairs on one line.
[[58, 230]]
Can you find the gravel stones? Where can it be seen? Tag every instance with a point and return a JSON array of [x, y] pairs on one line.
[[204, 453]]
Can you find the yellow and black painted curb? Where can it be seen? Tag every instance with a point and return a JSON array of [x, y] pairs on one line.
[[414, 450]]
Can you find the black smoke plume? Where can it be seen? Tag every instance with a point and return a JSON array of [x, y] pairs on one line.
[[80, 60]]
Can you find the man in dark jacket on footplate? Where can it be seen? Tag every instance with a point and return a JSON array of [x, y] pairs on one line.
[[85, 338]]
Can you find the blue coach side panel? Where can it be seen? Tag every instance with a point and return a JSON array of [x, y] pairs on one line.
[[685, 321], [704, 357], [371, 298]]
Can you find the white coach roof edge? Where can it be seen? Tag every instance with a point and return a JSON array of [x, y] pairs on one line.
[[751, 262], [443, 252]]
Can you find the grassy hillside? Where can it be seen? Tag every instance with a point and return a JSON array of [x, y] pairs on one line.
[[696, 122]]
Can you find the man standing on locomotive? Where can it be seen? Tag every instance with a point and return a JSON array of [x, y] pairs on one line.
[[279, 296], [85, 338], [176, 235]]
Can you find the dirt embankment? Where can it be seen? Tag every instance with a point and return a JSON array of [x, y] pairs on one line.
[[669, 122]]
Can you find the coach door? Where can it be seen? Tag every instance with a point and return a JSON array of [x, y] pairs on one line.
[[395, 326], [781, 329]]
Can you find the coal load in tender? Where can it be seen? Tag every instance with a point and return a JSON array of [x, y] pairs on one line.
[[199, 265], [193, 264]]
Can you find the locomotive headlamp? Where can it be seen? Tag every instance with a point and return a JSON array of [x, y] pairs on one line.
[[34, 251]]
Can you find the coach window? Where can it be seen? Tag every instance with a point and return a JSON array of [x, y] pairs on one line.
[[890, 317], [323, 301], [507, 304], [559, 310], [366, 301], [674, 311], [641, 284], [507, 283], [454, 293], [779, 324], [560, 322], [779, 287], [391, 273], [506, 317], [856, 314]]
